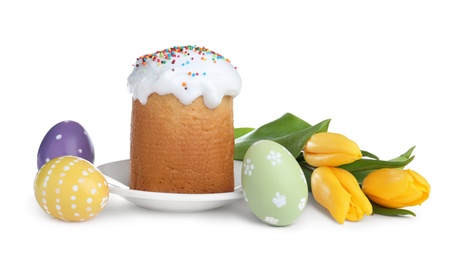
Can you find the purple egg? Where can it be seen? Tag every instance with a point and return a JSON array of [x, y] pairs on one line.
[[66, 138]]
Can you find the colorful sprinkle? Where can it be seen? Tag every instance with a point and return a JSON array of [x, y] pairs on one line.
[[176, 52]]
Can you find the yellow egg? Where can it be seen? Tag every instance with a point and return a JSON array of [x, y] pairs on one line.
[[71, 188]]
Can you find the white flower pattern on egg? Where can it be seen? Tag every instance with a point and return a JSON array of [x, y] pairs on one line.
[[271, 220], [248, 167], [274, 157], [279, 200], [302, 204]]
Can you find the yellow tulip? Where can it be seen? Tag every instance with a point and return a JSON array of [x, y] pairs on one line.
[[338, 191], [396, 188], [330, 149]]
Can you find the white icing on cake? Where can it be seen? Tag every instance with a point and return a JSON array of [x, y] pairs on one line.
[[187, 72]]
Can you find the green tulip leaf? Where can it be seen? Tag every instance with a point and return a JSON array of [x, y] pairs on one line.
[[368, 154], [362, 167], [405, 155], [380, 210], [371, 164], [238, 132], [288, 130]]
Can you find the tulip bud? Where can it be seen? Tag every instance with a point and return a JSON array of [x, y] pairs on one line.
[[330, 149], [396, 188], [338, 191]]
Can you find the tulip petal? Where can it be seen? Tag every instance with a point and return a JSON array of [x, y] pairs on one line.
[[330, 149], [386, 183], [328, 142], [396, 188], [409, 197], [385, 203], [329, 193], [332, 159], [420, 181], [417, 192], [351, 185], [355, 213]]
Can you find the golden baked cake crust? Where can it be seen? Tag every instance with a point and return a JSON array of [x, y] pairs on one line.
[[181, 148]]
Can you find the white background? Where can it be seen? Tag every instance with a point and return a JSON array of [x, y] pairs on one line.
[[381, 70]]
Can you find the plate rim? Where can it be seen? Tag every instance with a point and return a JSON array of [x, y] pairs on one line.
[[170, 197]]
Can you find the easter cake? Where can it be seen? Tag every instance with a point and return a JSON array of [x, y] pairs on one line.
[[182, 133]]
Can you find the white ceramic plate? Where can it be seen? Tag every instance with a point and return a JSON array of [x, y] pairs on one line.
[[117, 174]]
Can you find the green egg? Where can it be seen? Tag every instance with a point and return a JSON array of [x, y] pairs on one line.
[[274, 185]]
